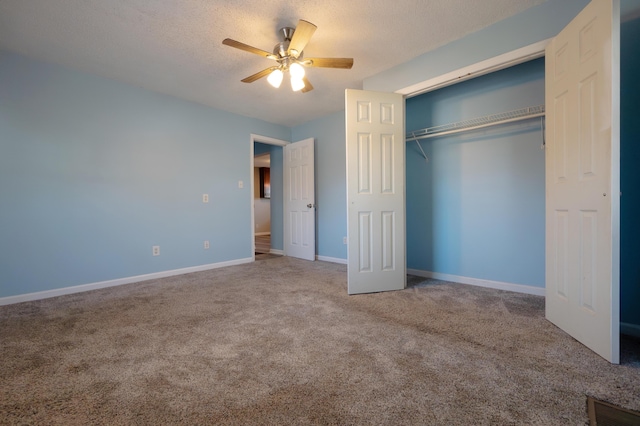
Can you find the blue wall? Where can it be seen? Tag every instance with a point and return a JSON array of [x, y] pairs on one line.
[[261, 148], [629, 176], [331, 187], [94, 172], [476, 209]]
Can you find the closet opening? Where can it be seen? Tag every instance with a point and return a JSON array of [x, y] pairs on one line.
[[475, 192]]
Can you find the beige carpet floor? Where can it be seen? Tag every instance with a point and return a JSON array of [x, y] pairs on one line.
[[279, 341]]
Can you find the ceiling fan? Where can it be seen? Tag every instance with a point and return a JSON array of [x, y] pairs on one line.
[[289, 56]]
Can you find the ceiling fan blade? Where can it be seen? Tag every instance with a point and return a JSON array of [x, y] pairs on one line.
[[247, 48], [307, 85], [345, 63], [301, 37], [259, 75]]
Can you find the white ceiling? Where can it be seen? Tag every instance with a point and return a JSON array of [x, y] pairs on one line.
[[175, 46]]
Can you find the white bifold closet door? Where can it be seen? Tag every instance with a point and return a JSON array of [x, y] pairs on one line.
[[583, 179]]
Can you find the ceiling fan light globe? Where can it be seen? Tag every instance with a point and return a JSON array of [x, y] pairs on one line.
[[275, 78], [297, 71], [297, 84]]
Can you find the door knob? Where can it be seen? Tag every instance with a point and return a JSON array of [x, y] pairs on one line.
[[310, 206]]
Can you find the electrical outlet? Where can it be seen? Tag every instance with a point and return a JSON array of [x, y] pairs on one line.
[[156, 250], [344, 240], [240, 184], [206, 245], [205, 198]]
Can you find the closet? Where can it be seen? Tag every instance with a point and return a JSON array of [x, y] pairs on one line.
[[475, 178], [476, 193]]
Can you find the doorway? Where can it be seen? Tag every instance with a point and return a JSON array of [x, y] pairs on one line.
[[267, 197], [262, 198]]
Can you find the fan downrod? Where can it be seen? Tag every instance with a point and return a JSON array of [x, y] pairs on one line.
[[286, 33]]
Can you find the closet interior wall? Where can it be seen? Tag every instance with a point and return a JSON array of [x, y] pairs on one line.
[[629, 176], [476, 208]]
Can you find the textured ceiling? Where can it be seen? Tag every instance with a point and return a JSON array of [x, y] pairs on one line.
[[175, 46]]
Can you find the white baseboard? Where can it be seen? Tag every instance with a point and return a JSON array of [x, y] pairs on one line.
[[630, 329], [332, 259], [261, 234], [498, 285], [276, 251], [113, 283]]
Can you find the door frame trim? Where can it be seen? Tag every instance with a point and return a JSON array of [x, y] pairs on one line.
[[253, 138]]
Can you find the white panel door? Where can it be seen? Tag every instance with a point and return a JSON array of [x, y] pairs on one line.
[[375, 191], [299, 201], [582, 179]]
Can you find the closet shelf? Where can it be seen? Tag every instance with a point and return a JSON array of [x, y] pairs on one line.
[[477, 123]]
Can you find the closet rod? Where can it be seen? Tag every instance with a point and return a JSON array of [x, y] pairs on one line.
[[477, 123]]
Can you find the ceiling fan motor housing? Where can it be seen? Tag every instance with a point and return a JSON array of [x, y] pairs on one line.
[[281, 50]]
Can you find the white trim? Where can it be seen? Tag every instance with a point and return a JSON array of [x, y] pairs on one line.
[[498, 285], [113, 283], [276, 251], [332, 259], [267, 140], [262, 234], [253, 138], [506, 60], [630, 329]]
